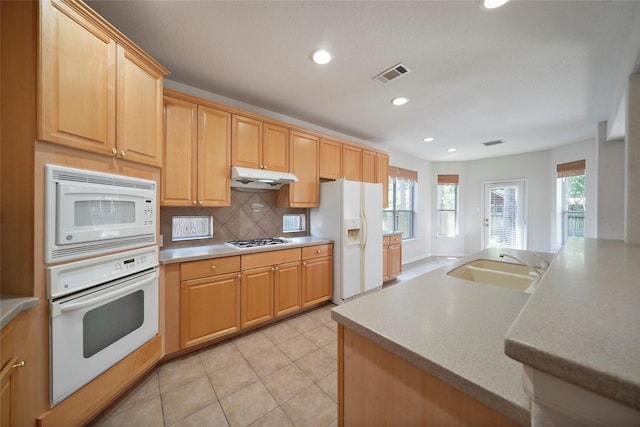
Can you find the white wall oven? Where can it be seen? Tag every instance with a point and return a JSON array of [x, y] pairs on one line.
[[91, 213], [101, 310]]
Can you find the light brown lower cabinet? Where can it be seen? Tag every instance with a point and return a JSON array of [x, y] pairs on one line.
[[8, 383], [317, 274], [257, 296], [391, 256], [287, 289], [209, 299], [377, 387]]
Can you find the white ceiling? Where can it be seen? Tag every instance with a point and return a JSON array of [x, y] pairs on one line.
[[535, 74]]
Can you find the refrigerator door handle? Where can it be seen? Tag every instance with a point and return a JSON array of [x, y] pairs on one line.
[[364, 231]]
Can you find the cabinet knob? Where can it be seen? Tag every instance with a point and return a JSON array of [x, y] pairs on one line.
[[200, 203], [195, 203], [213, 267], [239, 276], [265, 167], [123, 153], [273, 269], [318, 251], [18, 365], [304, 263], [114, 151]]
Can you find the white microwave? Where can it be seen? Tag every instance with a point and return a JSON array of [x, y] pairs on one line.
[[91, 213]]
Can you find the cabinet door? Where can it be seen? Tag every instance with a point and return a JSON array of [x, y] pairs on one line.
[[209, 308], [246, 142], [179, 167], [287, 288], [385, 262], [317, 280], [382, 176], [330, 159], [275, 148], [395, 260], [214, 157], [77, 81], [139, 110], [304, 164], [368, 166], [257, 296], [352, 163]]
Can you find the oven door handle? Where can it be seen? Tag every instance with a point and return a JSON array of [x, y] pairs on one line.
[[110, 295]]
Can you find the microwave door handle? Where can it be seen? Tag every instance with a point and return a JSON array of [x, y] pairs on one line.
[[93, 301]]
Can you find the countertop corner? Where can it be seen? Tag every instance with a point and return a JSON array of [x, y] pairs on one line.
[[12, 305]]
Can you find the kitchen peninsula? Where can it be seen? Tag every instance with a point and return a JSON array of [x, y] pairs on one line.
[[433, 348]]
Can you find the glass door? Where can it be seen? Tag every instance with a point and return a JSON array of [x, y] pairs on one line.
[[504, 224]]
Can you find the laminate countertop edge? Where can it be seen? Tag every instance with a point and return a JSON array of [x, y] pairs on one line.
[[196, 253], [11, 306]]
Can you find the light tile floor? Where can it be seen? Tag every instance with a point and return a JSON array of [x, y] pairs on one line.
[[284, 374]]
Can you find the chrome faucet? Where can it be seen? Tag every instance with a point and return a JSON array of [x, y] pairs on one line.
[[534, 271]]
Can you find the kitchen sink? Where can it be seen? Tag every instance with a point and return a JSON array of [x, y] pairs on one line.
[[504, 274]]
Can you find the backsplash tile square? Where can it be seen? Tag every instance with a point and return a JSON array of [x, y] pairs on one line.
[[238, 221]]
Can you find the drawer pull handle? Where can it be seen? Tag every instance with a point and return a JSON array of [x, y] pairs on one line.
[[213, 267], [19, 365], [318, 251]]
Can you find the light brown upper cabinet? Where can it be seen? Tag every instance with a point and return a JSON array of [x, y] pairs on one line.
[[197, 155], [330, 159], [351, 163], [304, 158], [368, 166], [98, 91], [382, 176], [259, 145]]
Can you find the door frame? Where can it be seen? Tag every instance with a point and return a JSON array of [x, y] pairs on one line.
[[525, 217]]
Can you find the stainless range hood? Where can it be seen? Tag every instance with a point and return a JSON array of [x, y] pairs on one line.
[[259, 179]]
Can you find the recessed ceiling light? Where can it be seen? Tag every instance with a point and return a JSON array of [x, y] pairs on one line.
[[451, 150], [429, 139], [321, 56], [400, 100], [492, 4]]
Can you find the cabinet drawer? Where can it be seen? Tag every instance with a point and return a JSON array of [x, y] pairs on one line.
[[317, 251], [209, 267], [385, 241], [395, 239], [264, 259]]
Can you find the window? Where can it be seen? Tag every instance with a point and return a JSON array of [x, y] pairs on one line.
[[447, 206], [191, 227], [571, 186], [293, 223], [400, 215]]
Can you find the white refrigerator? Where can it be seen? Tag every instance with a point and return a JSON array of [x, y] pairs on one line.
[[350, 213]]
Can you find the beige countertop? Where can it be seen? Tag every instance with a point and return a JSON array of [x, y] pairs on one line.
[[170, 256], [451, 328], [391, 233], [11, 306], [583, 323]]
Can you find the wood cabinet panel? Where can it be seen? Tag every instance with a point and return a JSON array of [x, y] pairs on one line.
[[257, 296], [369, 166], [317, 280], [330, 159], [198, 136], [392, 256], [179, 183], [139, 110], [287, 288], [77, 81], [8, 381], [209, 267], [275, 148], [382, 176], [395, 260], [265, 259], [304, 162], [352, 163], [316, 251], [376, 387], [385, 262], [214, 157], [246, 142], [210, 308]]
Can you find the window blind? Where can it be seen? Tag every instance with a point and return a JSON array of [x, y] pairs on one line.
[[396, 172], [571, 168], [448, 179]]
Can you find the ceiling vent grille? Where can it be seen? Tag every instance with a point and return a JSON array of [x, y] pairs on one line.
[[490, 143], [392, 73]]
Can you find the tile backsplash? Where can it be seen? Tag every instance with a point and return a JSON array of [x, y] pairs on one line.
[[238, 221]]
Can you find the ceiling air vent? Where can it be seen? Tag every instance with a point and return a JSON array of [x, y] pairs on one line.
[[490, 143], [392, 73]]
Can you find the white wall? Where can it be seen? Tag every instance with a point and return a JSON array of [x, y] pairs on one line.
[[532, 167], [420, 246], [610, 222], [448, 245], [568, 153]]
